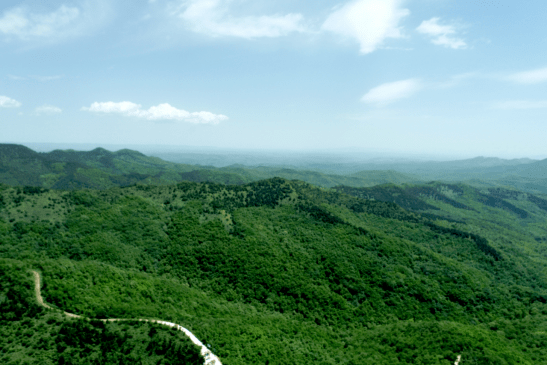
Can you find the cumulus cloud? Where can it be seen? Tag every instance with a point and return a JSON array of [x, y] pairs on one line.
[[528, 77], [158, 112], [64, 22], [519, 104], [389, 92], [369, 22], [48, 109], [442, 35], [212, 17], [6, 102]]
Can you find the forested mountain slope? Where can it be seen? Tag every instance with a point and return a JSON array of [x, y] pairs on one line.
[[32, 335], [278, 272], [363, 179], [98, 169], [513, 219], [523, 174], [101, 169]]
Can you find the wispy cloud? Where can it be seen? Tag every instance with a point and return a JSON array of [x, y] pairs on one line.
[[442, 35], [528, 77], [46, 78], [212, 17], [455, 80], [518, 104], [48, 109], [6, 102], [67, 21], [36, 78], [369, 22], [158, 112], [389, 92], [24, 25], [18, 78]]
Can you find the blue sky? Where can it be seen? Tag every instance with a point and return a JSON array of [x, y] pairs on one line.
[[439, 77]]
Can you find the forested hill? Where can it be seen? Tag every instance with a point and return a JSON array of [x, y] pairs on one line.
[[523, 173], [271, 272], [513, 218], [101, 169], [98, 169], [459, 196]]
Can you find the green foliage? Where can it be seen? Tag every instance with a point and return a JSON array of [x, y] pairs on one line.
[[470, 209], [51, 339], [30, 334], [273, 271], [79, 342]]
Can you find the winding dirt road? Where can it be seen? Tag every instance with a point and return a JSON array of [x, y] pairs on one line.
[[209, 357]]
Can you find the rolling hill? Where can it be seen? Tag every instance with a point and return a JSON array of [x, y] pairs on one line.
[[98, 169], [279, 271]]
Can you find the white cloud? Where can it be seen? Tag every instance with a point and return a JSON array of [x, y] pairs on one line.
[[528, 77], [46, 78], [6, 102], [442, 35], [34, 77], [158, 112], [48, 109], [519, 104], [14, 77], [17, 22], [212, 17], [389, 92], [64, 22], [369, 22]]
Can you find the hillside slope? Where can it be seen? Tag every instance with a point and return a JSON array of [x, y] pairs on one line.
[[98, 169], [282, 272], [513, 220], [101, 169]]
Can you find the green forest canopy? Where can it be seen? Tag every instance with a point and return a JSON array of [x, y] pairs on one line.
[[278, 272]]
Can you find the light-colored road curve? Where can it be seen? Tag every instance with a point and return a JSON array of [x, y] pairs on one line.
[[209, 357]]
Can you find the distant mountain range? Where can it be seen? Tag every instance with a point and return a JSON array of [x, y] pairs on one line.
[[523, 173], [100, 168]]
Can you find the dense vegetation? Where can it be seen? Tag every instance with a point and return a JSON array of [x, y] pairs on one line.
[[70, 169], [509, 218], [484, 172], [279, 271], [32, 335], [101, 169]]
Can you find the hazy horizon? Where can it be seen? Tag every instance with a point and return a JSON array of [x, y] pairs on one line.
[[348, 154]]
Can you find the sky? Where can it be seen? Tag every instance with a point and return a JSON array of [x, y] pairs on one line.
[[440, 77]]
